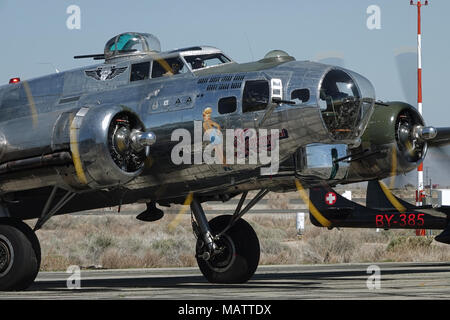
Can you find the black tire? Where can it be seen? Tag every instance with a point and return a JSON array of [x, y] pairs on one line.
[[31, 235], [19, 263], [238, 262]]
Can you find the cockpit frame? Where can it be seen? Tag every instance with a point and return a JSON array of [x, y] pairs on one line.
[[186, 57]]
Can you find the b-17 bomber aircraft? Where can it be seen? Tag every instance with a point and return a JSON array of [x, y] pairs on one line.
[[191, 125]]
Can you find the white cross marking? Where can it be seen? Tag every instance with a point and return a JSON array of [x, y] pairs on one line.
[[330, 198]]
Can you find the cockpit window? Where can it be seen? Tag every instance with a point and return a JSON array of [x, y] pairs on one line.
[[140, 71], [168, 67], [206, 60]]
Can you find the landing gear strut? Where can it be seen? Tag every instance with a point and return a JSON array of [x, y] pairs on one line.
[[227, 249]]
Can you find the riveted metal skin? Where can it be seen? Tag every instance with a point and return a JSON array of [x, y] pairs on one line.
[[76, 111]]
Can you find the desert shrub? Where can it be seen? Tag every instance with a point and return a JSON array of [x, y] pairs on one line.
[[277, 201], [165, 245], [409, 243], [121, 241], [103, 241], [334, 246]]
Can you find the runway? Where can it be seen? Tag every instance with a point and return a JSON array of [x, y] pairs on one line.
[[338, 281]]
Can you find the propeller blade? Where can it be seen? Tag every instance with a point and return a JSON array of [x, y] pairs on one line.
[[437, 164], [438, 159], [406, 61], [331, 58], [396, 180], [442, 137]]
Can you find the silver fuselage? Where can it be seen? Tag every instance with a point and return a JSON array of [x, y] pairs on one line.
[[37, 118]]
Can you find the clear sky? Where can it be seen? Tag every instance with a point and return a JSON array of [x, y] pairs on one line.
[[35, 36]]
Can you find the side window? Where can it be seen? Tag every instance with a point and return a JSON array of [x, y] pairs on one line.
[[300, 94], [256, 95], [168, 67], [140, 71], [158, 69], [227, 105]]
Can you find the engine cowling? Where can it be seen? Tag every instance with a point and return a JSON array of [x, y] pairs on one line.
[[395, 142], [109, 146]]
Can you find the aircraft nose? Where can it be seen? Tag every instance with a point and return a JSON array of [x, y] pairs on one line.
[[346, 101]]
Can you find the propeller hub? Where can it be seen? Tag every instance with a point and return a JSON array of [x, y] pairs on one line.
[[425, 133], [140, 140], [122, 139], [412, 135], [129, 146]]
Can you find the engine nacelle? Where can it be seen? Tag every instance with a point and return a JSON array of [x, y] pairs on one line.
[[108, 145], [395, 142]]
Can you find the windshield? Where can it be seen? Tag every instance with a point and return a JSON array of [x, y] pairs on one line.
[[206, 60]]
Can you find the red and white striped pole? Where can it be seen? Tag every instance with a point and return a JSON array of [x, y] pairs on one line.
[[420, 186]]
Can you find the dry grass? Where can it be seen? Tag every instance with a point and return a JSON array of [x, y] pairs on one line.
[[121, 241]]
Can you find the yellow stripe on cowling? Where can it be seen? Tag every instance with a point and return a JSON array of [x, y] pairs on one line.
[[187, 202], [75, 152], [149, 161], [34, 114], [392, 199], [312, 208]]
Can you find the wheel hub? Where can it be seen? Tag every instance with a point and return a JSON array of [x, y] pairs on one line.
[[221, 260], [5, 256]]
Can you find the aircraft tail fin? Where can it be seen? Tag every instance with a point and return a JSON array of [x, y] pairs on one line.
[[380, 197], [444, 236]]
